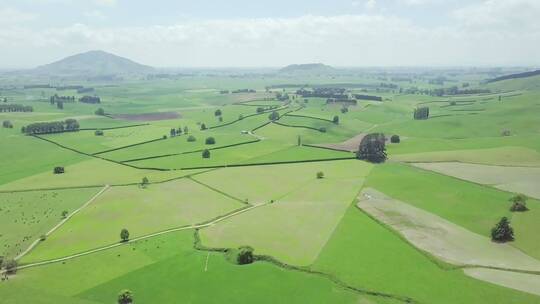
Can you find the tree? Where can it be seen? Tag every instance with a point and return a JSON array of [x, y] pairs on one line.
[[220, 118], [60, 104], [395, 139], [217, 112], [179, 131], [64, 214], [502, 232], [372, 148], [210, 141], [144, 182], [100, 112], [299, 140], [124, 235], [191, 138], [11, 266], [58, 170], [260, 109], [322, 129], [186, 130], [125, 297], [320, 174], [245, 255], [519, 203], [203, 127], [98, 133], [421, 113], [344, 109], [7, 124], [173, 132], [206, 153], [273, 116], [335, 120]]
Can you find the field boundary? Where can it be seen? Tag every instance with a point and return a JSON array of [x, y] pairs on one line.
[[272, 163], [114, 128], [312, 117], [217, 190]]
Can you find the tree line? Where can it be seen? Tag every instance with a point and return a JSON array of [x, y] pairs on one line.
[[90, 99], [51, 127], [15, 108]]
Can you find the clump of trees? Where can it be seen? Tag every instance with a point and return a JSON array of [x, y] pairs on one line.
[[51, 127], [124, 235], [90, 99], [125, 297], [502, 232], [245, 255], [176, 132], [395, 139], [15, 108], [7, 124], [100, 112], [11, 266], [206, 153], [372, 148], [421, 113], [56, 99], [320, 174], [58, 170], [98, 133], [519, 203], [273, 116], [191, 138], [210, 141]]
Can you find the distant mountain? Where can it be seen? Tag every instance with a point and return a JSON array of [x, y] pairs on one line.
[[516, 76], [93, 63], [309, 68]]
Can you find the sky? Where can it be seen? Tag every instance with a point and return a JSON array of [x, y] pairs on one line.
[[242, 33]]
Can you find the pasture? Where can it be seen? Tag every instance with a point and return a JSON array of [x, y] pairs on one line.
[[277, 172]]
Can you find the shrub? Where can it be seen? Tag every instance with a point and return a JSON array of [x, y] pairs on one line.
[[335, 120], [144, 182], [210, 141], [421, 113], [217, 112], [395, 139], [7, 124], [98, 133], [320, 174], [245, 255], [344, 109], [203, 126], [506, 132], [206, 153], [100, 112], [43, 237], [519, 203], [58, 170], [502, 232], [125, 297], [64, 214], [191, 138], [124, 235], [322, 129]]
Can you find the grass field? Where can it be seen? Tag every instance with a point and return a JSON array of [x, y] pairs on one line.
[[433, 203], [25, 216]]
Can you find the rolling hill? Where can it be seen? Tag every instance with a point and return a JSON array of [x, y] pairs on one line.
[[93, 63], [310, 68]]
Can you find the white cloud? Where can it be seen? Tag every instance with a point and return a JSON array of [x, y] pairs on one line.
[[106, 2], [370, 4], [347, 40], [11, 16]]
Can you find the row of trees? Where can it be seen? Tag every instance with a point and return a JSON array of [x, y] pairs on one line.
[[51, 127], [55, 98], [90, 99], [15, 108], [421, 113], [177, 132]]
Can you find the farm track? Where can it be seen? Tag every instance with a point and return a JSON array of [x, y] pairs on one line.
[[155, 234]]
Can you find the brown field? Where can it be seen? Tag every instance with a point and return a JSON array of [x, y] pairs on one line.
[[148, 116]]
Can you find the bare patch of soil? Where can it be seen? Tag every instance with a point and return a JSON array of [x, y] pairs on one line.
[[148, 116]]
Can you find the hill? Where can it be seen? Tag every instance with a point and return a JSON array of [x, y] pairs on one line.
[[310, 68], [515, 76], [93, 63]]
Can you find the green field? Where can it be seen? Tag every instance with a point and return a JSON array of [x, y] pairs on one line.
[[277, 183]]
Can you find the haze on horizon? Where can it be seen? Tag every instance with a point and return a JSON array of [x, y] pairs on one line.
[[241, 33]]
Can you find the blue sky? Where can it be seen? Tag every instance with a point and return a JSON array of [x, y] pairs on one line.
[[275, 33]]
